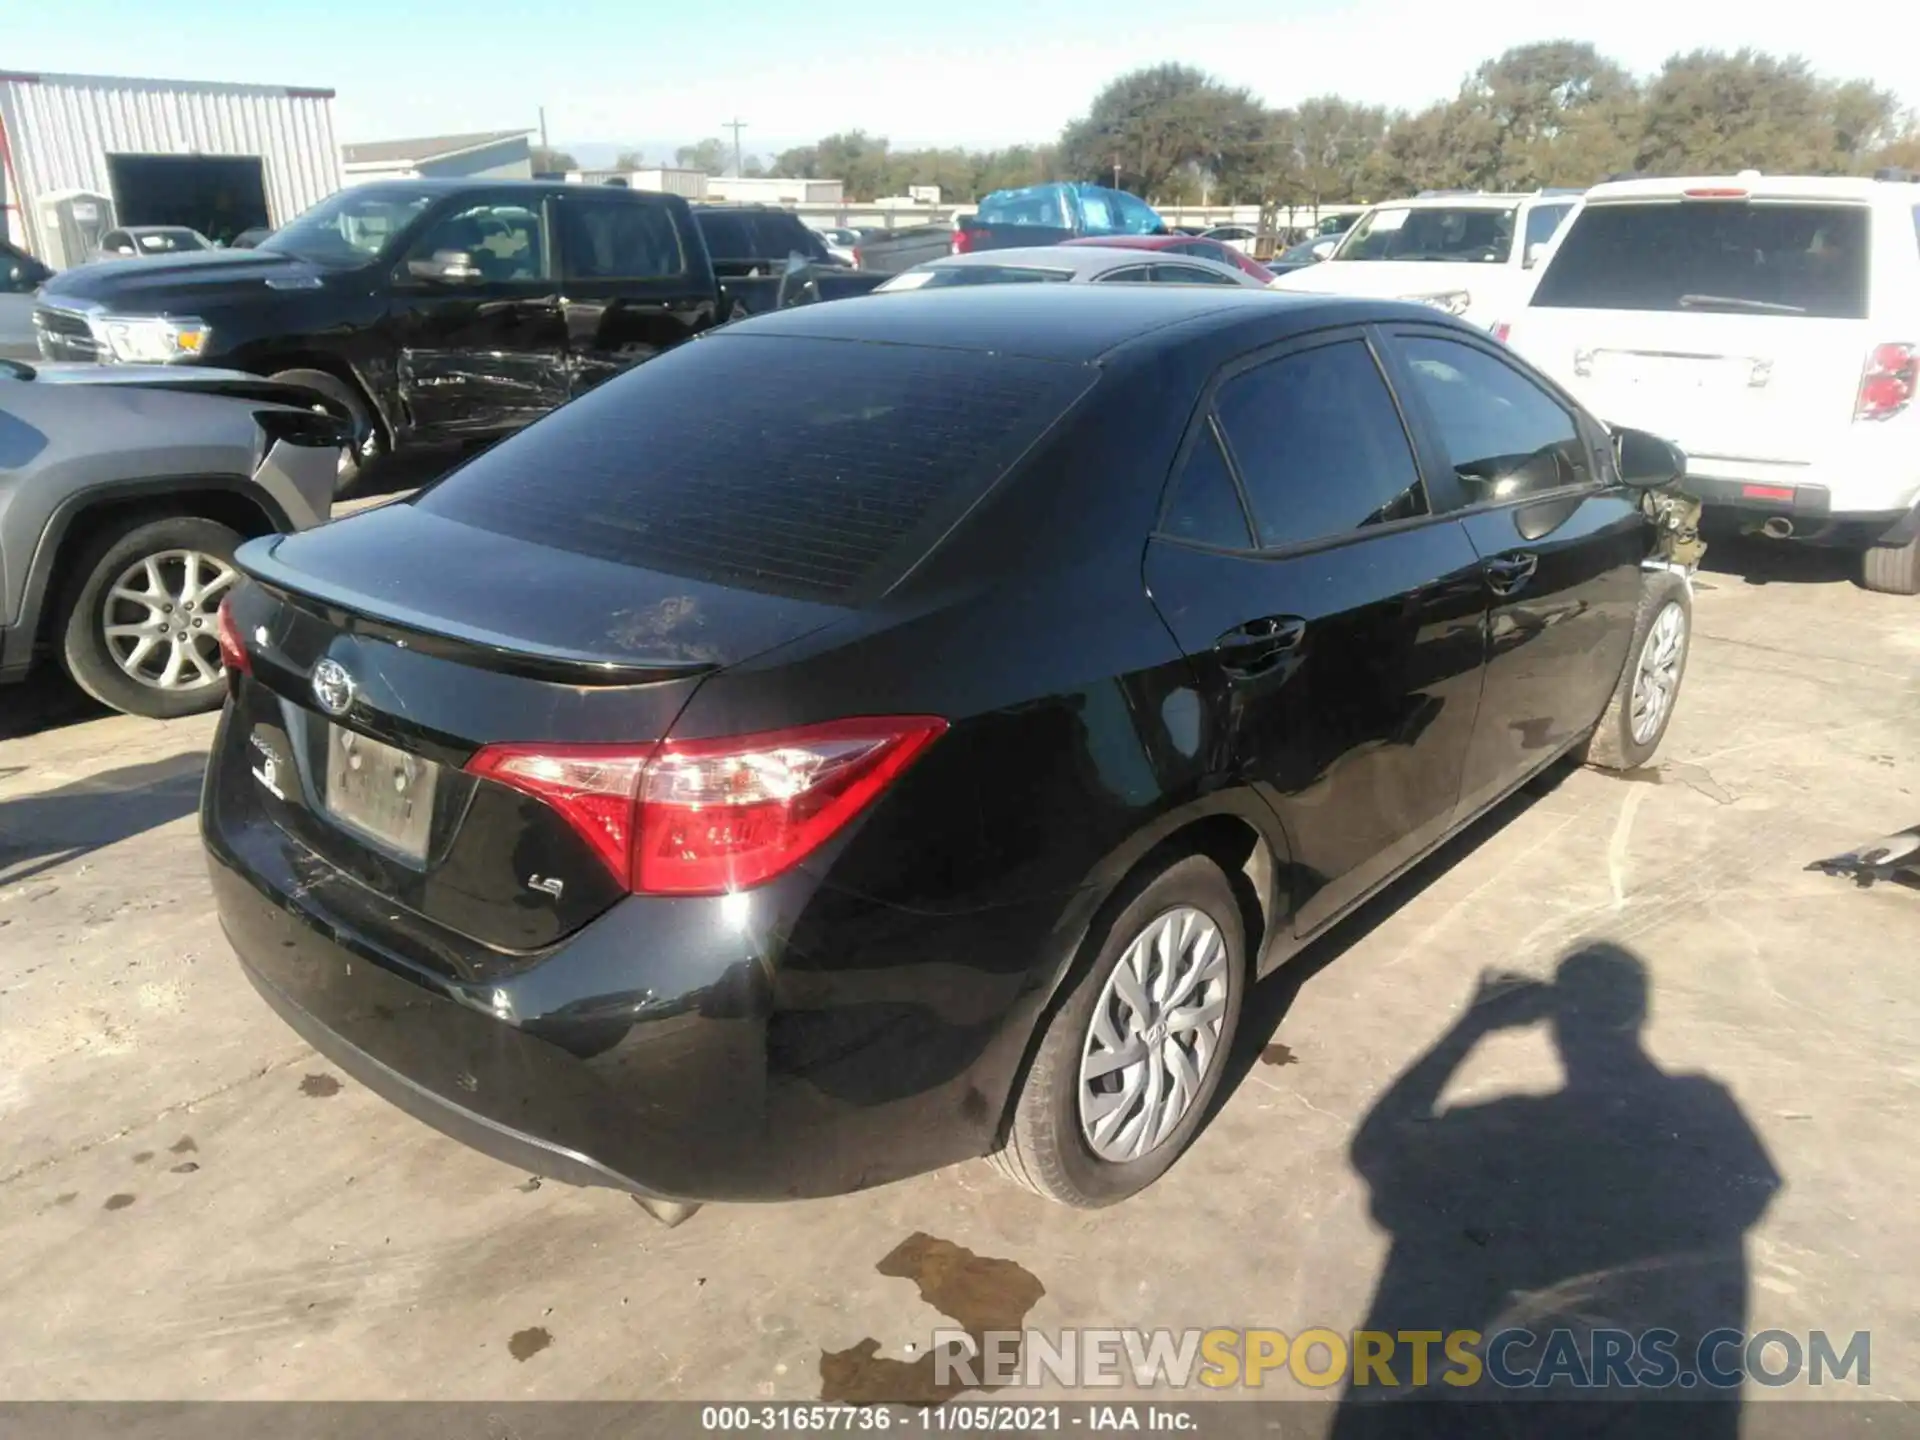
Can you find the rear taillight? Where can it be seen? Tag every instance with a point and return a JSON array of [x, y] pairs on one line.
[[704, 817], [233, 650], [964, 240], [1888, 381], [857, 263], [1501, 330]]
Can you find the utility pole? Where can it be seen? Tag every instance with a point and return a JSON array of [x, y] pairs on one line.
[[543, 127], [736, 125], [1116, 172]]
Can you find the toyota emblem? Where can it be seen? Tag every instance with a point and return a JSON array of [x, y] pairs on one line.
[[333, 687]]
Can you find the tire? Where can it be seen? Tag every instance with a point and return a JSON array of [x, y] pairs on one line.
[[355, 458], [1048, 1149], [1892, 569], [89, 606], [1614, 743]]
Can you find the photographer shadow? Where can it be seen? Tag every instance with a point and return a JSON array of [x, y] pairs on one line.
[[1619, 1202]]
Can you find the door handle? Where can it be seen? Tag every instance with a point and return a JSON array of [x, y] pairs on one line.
[[1506, 574], [1255, 646]]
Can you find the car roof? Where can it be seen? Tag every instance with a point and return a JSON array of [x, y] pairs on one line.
[[1465, 200], [1073, 323], [1762, 187], [1121, 242]]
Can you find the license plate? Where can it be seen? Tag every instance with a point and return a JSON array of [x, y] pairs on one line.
[[379, 792]]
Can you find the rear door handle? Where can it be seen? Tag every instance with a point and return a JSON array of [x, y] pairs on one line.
[[1508, 573], [1257, 645]]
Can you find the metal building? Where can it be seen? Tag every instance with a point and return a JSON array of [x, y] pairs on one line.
[[490, 154], [219, 158]]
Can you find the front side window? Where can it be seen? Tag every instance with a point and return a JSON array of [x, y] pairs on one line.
[[612, 240], [1132, 275], [1718, 256], [1319, 445], [1505, 437], [781, 235], [1096, 212], [503, 240], [1542, 221], [350, 227], [1462, 234]]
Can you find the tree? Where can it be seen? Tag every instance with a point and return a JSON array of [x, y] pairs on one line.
[[1562, 114], [1709, 112], [547, 161], [1146, 125], [1331, 141], [753, 167], [708, 155], [1866, 123], [855, 158], [629, 161]]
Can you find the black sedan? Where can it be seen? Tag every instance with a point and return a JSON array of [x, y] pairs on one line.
[[883, 733]]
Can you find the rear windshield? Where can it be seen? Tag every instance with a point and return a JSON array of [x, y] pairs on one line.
[[941, 277], [1044, 205], [801, 467], [1758, 258]]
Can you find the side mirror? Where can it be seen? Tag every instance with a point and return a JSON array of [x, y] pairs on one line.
[[17, 279], [1533, 253], [1646, 461], [446, 267], [1323, 248]]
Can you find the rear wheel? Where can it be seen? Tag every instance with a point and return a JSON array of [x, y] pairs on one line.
[[1637, 715], [1127, 1066], [139, 629], [1892, 569], [366, 435]]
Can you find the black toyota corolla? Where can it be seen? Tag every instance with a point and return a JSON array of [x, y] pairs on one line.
[[888, 732]]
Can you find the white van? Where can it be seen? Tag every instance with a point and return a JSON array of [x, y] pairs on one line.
[[1770, 327], [1466, 252]]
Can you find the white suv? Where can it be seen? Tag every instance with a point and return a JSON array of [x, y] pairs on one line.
[[1468, 253], [1770, 327]]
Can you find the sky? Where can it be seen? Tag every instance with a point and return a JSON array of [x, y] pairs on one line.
[[977, 73]]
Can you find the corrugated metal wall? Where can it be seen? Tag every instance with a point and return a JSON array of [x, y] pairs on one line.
[[61, 128]]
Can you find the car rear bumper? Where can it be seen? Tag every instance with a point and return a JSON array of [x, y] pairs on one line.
[[1809, 509], [805, 1042]]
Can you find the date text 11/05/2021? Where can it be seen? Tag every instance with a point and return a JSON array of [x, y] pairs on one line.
[[948, 1418]]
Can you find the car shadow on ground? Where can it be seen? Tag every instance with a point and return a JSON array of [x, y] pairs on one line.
[[40, 831], [1614, 1207], [1268, 1003], [45, 700], [1759, 561]]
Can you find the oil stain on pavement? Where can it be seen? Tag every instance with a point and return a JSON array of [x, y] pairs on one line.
[[319, 1086], [977, 1292], [524, 1344]]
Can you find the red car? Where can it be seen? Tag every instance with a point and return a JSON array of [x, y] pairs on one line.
[[1182, 245]]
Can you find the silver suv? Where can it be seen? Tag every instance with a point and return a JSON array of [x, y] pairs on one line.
[[123, 492]]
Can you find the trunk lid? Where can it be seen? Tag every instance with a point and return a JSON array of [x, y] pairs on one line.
[[366, 700]]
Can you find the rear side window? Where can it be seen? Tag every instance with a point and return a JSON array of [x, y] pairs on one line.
[[1133, 215], [1204, 506], [613, 240], [1721, 257], [1319, 444], [1190, 275], [1505, 437], [726, 235], [791, 466]]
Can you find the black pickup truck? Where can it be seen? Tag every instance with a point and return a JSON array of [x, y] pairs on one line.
[[424, 310]]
